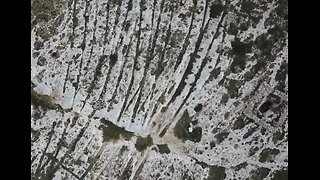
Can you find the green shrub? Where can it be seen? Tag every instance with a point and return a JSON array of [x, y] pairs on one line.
[[163, 148], [113, 132], [216, 173], [143, 143], [181, 129]]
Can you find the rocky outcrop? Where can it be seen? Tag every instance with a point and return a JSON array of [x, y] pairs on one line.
[[199, 86]]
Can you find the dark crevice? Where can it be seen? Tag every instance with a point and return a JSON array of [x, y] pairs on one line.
[[193, 59], [75, 21], [66, 79], [148, 60], [97, 74], [185, 44], [134, 63], [114, 94]]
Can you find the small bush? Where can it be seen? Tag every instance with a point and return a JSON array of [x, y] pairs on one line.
[[181, 130], [143, 143], [163, 148], [280, 175], [216, 173], [182, 126], [113, 132], [268, 154]]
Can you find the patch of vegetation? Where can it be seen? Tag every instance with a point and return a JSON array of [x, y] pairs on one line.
[[113, 59], [280, 174], [226, 115], [195, 122], [281, 76], [212, 144], [249, 132], [216, 9], [244, 25], [240, 166], [214, 74], [44, 10], [282, 9], [238, 62], [216, 173], [233, 29], [260, 65], [268, 154], [198, 107], [239, 50], [221, 136], [260, 173], [224, 99], [55, 55], [239, 123], [143, 143], [182, 126], [233, 88], [163, 148], [196, 134], [112, 132], [277, 136], [247, 6]]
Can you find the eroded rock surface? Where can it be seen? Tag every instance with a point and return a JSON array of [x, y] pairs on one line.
[[159, 89]]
